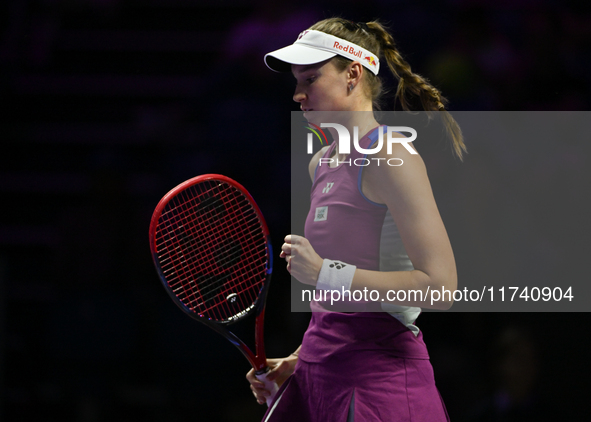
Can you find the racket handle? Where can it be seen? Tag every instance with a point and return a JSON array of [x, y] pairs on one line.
[[269, 385]]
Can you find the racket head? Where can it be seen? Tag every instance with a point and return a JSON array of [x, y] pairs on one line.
[[212, 250]]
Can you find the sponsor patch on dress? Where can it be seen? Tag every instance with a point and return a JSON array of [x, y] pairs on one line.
[[321, 214]]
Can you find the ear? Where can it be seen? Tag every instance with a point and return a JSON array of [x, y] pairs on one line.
[[354, 73]]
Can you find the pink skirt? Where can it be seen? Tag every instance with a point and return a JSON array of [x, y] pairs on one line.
[[359, 367], [382, 388]]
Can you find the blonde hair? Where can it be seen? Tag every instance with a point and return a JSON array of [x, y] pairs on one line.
[[374, 37]]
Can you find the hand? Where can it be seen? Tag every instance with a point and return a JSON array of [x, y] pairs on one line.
[[280, 370], [302, 261]]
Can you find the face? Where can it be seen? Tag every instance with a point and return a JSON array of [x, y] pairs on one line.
[[320, 87]]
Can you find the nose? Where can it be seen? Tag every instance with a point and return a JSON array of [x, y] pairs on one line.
[[299, 95]]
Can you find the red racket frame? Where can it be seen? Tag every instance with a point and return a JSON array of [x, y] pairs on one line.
[[258, 360]]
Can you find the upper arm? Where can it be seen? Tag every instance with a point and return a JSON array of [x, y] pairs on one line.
[[314, 161], [407, 193]]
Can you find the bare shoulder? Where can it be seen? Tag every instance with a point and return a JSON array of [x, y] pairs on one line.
[[314, 161], [402, 184]]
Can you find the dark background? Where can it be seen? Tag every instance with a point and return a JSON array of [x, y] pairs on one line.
[[108, 104]]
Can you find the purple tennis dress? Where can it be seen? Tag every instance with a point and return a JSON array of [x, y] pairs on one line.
[[361, 366]]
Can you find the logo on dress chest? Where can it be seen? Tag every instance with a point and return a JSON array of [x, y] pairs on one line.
[[328, 186]]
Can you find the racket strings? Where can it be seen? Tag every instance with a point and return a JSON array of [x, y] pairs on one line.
[[196, 245], [204, 286], [207, 288], [211, 245], [247, 271], [211, 242], [206, 223], [230, 257]]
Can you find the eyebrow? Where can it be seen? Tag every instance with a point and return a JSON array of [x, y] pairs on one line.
[[307, 68]]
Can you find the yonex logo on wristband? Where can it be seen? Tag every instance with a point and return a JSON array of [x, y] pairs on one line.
[[338, 265], [335, 275]]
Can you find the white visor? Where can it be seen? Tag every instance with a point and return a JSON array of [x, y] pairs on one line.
[[314, 47]]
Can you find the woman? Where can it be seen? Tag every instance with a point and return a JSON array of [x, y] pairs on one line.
[[378, 228]]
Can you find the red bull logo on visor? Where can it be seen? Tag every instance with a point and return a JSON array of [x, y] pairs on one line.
[[330, 44], [347, 48], [371, 60]]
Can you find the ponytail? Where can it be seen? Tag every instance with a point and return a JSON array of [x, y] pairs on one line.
[[415, 84]]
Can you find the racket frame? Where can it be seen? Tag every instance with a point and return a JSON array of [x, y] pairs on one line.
[[257, 360]]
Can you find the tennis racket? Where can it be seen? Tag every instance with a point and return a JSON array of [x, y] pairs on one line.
[[212, 251]]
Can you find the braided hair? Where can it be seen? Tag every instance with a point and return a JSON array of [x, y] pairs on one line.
[[374, 37]]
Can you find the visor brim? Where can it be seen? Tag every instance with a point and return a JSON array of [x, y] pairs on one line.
[[282, 59]]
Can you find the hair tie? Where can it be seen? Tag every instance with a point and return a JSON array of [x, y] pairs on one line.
[[363, 26]]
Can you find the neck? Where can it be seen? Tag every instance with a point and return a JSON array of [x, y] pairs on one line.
[[364, 121]]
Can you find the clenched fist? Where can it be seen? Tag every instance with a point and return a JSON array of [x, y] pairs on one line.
[[302, 261]]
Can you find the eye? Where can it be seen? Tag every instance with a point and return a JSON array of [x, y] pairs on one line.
[[311, 79]]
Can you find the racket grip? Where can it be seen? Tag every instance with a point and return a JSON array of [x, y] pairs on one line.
[[269, 385]]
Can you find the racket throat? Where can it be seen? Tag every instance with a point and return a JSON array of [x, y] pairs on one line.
[[262, 371]]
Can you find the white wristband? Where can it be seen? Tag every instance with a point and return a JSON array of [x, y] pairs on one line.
[[335, 275]]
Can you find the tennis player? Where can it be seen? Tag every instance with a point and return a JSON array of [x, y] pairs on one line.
[[374, 227]]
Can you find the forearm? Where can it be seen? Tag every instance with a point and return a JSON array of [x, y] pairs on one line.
[[437, 272], [416, 284]]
